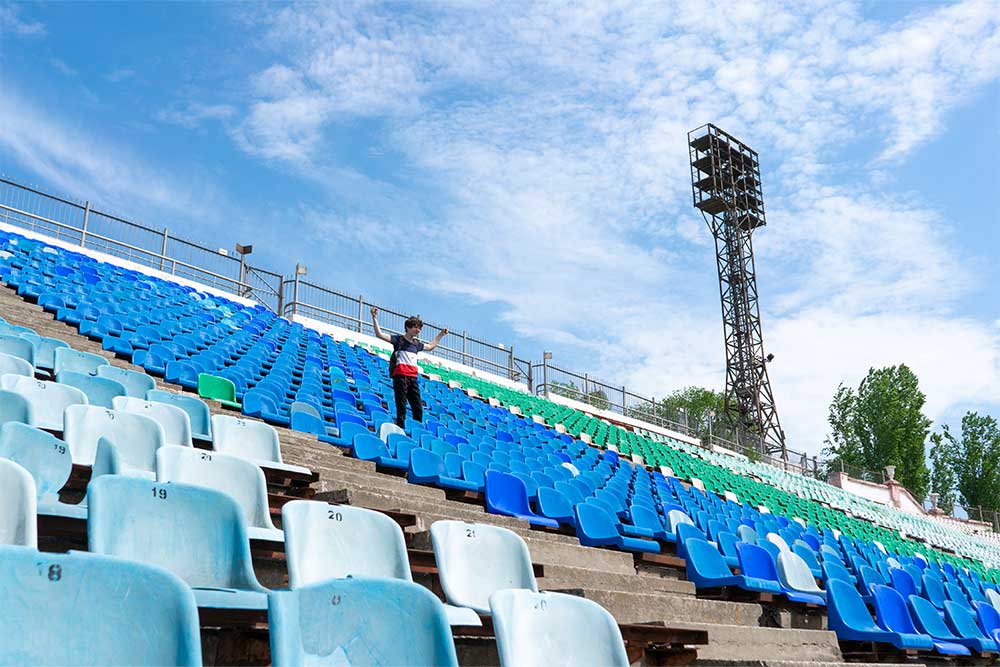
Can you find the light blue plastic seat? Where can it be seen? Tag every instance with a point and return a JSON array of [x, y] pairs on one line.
[[15, 366], [707, 569], [241, 479], [476, 560], [891, 613], [251, 440], [596, 527], [100, 391], [68, 359], [136, 384], [173, 420], [48, 460], [927, 620], [506, 494], [538, 629], [808, 555], [137, 436], [359, 621], [848, 616], [196, 409], [198, 534], [45, 349], [18, 506], [794, 575], [16, 346], [48, 399], [15, 408], [79, 608]]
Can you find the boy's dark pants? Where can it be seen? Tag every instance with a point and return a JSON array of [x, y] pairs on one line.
[[407, 389]]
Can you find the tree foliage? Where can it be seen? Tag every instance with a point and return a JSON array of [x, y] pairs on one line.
[[882, 423], [943, 460], [970, 464], [693, 407], [596, 398]]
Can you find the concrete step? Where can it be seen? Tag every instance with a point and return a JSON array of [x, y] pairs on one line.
[[561, 577], [792, 663], [744, 645], [648, 607]]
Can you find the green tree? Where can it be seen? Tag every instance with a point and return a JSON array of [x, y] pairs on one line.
[[943, 461], [598, 399], [976, 460], [566, 389], [695, 407], [883, 423]]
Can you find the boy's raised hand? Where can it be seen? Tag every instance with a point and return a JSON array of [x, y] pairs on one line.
[[374, 311]]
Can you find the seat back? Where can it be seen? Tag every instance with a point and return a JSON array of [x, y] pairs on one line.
[[676, 518], [993, 597], [79, 608], [846, 610], [196, 409], [962, 620], [551, 628], [902, 582], [48, 400], [241, 479], [68, 359], [359, 621], [746, 534], [755, 561], [705, 559], [16, 346], [474, 560], [15, 366], [18, 506], [245, 438], [86, 424], [388, 429], [175, 422], [891, 611], [100, 391], [926, 618], [593, 521], [15, 408], [198, 534], [989, 618], [328, 541], [794, 573], [934, 590], [43, 455], [777, 540], [136, 384]]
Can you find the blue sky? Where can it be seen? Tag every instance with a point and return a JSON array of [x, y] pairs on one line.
[[520, 171]]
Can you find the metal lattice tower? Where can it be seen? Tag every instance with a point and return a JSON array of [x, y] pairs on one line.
[[725, 178]]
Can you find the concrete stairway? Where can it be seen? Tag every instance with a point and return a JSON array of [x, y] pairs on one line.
[[608, 577]]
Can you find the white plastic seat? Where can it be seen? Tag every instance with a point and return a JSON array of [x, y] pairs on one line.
[[778, 541], [325, 541], [544, 629], [675, 518], [993, 598], [175, 422], [730, 496], [135, 436], [15, 366], [475, 560], [48, 399], [698, 484], [18, 506], [572, 468], [387, 429], [243, 480], [251, 440], [666, 471], [794, 574], [68, 359]]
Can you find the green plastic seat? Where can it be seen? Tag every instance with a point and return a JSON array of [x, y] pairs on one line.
[[218, 389]]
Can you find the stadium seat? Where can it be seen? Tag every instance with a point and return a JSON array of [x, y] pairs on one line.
[[892, 614], [15, 366], [928, 621], [251, 440], [68, 359], [79, 608], [554, 629], [962, 620], [706, 568], [241, 479], [475, 560], [218, 389], [596, 527], [138, 437], [173, 420], [198, 534], [45, 349], [368, 447], [15, 346], [197, 411], [551, 503], [794, 575], [427, 467], [989, 619], [849, 618], [99, 391], [506, 494], [48, 399], [359, 621], [15, 408], [18, 506], [136, 383]]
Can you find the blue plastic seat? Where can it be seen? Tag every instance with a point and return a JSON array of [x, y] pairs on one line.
[[989, 619], [198, 534], [99, 391], [554, 505], [927, 620], [379, 622], [848, 616], [44, 456], [369, 447], [962, 620], [554, 629], [196, 409], [79, 608], [506, 494], [596, 527], [45, 350], [251, 440], [891, 613], [86, 424], [756, 562], [809, 556], [426, 467], [15, 408]]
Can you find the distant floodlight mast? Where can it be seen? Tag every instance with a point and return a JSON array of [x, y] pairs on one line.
[[725, 179]]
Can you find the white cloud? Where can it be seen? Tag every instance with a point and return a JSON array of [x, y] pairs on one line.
[[120, 74], [11, 22], [194, 114]]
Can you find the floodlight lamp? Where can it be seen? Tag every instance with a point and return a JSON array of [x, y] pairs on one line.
[[301, 270], [546, 356], [244, 249], [769, 358]]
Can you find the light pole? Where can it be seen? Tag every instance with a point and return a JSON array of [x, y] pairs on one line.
[[243, 251], [300, 270], [711, 418], [546, 356]]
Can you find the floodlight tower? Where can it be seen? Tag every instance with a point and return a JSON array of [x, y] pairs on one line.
[[725, 178]]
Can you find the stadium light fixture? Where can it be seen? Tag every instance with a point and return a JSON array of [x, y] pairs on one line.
[[243, 251], [769, 358], [301, 269]]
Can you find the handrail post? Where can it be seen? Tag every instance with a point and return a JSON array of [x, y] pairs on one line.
[[361, 313], [510, 363], [163, 249], [86, 219]]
